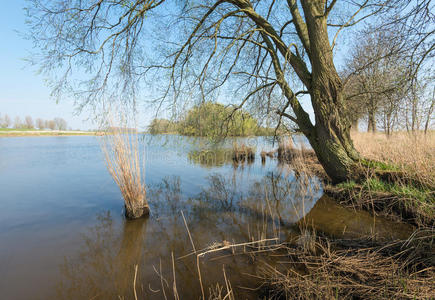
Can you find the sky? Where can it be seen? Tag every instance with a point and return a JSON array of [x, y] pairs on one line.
[[22, 91]]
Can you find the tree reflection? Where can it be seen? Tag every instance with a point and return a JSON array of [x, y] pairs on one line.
[[105, 265], [221, 211]]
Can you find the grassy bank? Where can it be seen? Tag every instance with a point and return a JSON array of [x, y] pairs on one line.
[[399, 179], [12, 132], [398, 201], [411, 156]]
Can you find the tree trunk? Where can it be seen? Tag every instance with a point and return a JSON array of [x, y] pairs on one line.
[[429, 113], [371, 126], [137, 209], [330, 137], [355, 124]]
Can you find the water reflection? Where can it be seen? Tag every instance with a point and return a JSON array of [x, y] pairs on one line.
[[104, 268], [329, 217], [220, 212], [220, 203]]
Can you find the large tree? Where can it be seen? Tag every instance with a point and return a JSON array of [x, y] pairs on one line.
[[267, 53]]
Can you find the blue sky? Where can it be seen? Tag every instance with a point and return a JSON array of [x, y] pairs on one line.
[[22, 91]]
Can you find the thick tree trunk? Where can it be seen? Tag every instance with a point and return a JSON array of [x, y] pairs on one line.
[[137, 209], [330, 137]]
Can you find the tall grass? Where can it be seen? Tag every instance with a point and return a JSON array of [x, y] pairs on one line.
[[412, 154], [124, 160], [400, 178]]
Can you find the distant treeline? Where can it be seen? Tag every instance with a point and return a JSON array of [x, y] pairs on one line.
[[211, 119], [28, 123]]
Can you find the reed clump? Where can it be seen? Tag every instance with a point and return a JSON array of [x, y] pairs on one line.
[[124, 160], [288, 152], [242, 153], [301, 159]]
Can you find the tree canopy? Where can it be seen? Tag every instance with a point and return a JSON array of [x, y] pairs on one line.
[[265, 54], [211, 120]]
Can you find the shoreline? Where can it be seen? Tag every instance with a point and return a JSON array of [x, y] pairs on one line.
[[40, 133]]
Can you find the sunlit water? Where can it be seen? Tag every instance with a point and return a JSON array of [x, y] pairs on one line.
[[63, 234]]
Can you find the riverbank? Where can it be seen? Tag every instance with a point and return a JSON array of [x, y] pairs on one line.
[[20, 133], [399, 181], [399, 186]]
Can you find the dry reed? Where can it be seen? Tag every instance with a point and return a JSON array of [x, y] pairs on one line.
[[313, 267], [411, 153], [352, 273], [242, 153], [124, 160]]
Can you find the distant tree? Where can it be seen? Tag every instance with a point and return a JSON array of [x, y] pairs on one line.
[[429, 115], [211, 120], [1, 121], [17, 123], [51, 124], [40, 123], [162, 126], [29, 122], [6, 121], [377, 79], [61, 124], [214, 119]]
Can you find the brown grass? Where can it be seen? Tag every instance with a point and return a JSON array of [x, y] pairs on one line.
[[302, 160], [413, 154], [242, 153], [378, 272], [313, 267], [124, 161]]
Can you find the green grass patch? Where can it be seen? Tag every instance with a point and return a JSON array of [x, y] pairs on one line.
[[380, 165], [421, 201], [400, 190]]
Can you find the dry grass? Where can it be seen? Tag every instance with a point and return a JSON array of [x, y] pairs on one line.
[[124, 160], [303, 161], [242, 153], [313, 267], [400, 177], [411, 154], [352, 273]]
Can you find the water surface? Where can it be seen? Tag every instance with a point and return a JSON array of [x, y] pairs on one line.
[[63, 235]]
